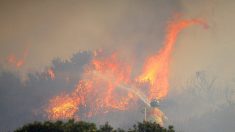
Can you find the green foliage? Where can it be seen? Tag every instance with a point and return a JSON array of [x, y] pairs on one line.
[[81, 126], [59, 126], [120, 130], [106, 128], [147, 126]]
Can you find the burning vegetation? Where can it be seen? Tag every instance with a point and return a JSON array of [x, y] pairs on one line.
[[108, 85]]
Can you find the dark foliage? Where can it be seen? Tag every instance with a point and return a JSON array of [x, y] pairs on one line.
[[147, 126], [80, 126]]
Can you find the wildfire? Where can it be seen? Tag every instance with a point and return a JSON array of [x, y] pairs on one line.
[[156, 67], [63, 107], [157, 115], [107, 83], [17, 62]]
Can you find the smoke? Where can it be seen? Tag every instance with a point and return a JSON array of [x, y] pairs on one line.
[[203, 98], [136, 30], [23, 102], [59, 29]]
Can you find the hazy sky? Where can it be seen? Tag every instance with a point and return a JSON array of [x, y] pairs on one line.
[[50, 29], [60, 28]]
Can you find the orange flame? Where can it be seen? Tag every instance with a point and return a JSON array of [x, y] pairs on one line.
[[107, 83], [157, 115], [17, 62], [99, 93], [63, 107], [14, 61], [156, 68]]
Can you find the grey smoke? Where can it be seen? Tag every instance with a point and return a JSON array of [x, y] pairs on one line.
[[204, 103], [23, 102], [136, 28]]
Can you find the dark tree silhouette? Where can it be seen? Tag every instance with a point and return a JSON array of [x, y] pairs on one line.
[[81, 126], [59, 126], [147, 126]]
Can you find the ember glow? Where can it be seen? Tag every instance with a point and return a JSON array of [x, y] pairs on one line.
[[107, 84], [17, 61], [157, 115], [14, 61], [66, 109]]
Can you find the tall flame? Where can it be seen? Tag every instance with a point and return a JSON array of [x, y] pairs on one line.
[[156, 67], [107, 83]]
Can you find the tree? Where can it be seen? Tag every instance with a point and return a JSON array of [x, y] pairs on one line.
[[81, 126], [106, 128], [147, 126], [59, 126]]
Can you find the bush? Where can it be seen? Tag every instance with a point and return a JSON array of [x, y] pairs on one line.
[[81, 126]]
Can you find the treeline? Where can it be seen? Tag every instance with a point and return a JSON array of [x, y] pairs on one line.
[[81, 126]]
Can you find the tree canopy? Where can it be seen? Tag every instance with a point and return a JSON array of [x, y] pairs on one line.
[[81, 126]]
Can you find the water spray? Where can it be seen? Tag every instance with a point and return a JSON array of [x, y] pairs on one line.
[[130, 88]]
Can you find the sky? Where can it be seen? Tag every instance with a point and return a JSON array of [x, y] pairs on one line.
[[38, 32]]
